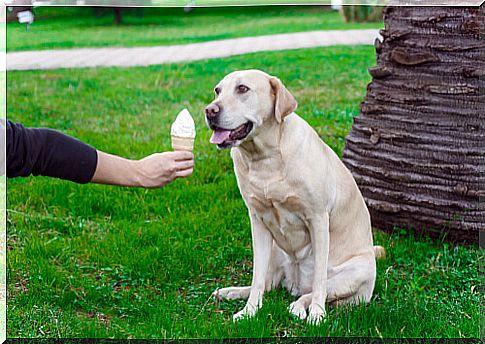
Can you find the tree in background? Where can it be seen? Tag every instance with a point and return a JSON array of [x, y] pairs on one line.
[[118, 19], [417, 149], [118, 9], [361, 13]]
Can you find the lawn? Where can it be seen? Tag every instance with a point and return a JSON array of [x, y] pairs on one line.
[[237, 2], [101, 261], [56, 28]]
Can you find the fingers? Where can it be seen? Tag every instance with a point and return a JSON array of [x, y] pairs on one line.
[[183, 165], [184, 168], [184, 173], [182, 155]]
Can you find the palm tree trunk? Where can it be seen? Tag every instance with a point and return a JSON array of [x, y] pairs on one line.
[[417, 149]]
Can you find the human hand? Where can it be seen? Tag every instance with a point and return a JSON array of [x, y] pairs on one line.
[[159, 169]]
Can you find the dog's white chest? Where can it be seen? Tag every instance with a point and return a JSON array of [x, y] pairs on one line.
[[282, 213], [273, 199], [278, 216]]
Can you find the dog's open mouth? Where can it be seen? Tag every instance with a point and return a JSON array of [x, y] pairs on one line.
[[227, 137]]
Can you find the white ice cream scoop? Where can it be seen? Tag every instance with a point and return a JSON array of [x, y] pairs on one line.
[[183, 131]]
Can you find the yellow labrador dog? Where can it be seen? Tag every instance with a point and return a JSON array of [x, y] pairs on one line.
[[311, 229]]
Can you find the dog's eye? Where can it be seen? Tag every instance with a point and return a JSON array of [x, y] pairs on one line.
[[217, 90], [242, 89]]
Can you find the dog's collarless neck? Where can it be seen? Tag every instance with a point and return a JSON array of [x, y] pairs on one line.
[[267, 147]]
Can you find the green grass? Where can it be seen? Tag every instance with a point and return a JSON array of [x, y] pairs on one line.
[[3, 258], [101, 261], [78, 27], [217, 3]]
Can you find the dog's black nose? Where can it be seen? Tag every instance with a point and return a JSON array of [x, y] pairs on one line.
[[212, 111]]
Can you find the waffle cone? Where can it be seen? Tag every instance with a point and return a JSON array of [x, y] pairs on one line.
[[182, 143]]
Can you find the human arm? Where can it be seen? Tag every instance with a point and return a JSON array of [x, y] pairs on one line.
[[41, 151], [153, 171], [46, 152]]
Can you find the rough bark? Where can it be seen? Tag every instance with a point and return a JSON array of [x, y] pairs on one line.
[[417, 149]]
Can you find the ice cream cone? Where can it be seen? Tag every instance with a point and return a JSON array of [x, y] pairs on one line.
[[182, 143], [183, 132]]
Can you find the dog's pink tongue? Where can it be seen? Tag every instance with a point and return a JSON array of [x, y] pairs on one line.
[[219, 136]]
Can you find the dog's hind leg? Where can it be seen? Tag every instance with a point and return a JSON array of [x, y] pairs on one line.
[[232, 293], [349, 283], [353, 281]]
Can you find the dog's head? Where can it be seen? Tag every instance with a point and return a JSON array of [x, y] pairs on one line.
[[244, 101]]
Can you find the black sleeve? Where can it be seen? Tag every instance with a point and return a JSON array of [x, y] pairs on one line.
[[47, 152]]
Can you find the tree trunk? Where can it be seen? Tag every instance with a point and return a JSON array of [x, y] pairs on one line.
[[417, 149], [361, 13], [117, 15]]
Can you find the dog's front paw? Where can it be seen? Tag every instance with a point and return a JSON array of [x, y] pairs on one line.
[[316, 314], [247, 312], [298, 309]]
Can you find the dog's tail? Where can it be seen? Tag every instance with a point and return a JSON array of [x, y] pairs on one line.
[[379, 252]]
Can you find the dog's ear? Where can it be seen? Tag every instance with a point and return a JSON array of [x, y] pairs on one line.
[[285, 103]]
